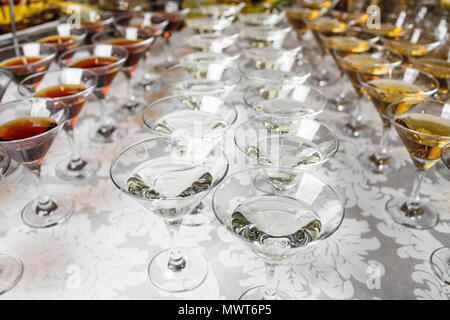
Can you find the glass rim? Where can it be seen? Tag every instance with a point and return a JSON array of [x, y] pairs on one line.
[[424, 94], [58, 125], [179, 66], [256, 118], [257, 169], [372, 41], [446, 149], [177, 97], [302, 77], [323, 104], [142, 43], [80, 37], [52, 55], [129, 147], [7, 74], [71, 52], [106, 18], [435, 42], [391, 118], [43, 73]]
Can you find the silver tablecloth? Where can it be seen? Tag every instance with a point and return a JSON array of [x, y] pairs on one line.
[[102, 252]]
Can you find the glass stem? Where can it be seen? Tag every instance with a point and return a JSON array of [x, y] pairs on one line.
[[271, 289], [131, 97], [75, 157], [413, 201], [381, 153], [45, 204], [176, 261], [356, 114]]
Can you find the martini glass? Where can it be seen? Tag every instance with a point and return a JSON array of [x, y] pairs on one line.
[[275, 83], [284, 147], [93, 22], [33, 57], [218, 11], [181, 82], [169, 184], [440, 258], [72, 87], [213, 41], [406, 86], [62, 37], [415, 43], [282, 58], [150, 24], [266, 36], [302, 101], [437, 63], [136, 42], [424, 129], [205, 24], [277, 227], [270, 17], [197, 123], [350, 18], [28, 128], [105, 61], [375, 60], [11, 269]]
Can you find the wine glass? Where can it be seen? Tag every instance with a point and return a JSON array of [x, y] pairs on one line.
[[379, 59], [197, 122], [440, 258], [278, 80], [62, 37], [424, 129], [303, 101], [284, 147], [105, 60], [437, 63], [33, 57], [136, 42], [403, 85], [277, 227], [92, 22], [415, 43], [11, 269], [180, 82], [28, 128], [72, 87], [169, 184]]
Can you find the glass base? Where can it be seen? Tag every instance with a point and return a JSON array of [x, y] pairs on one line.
[[387, 165], [442, 170], [440, 264], [201, 215], [359, 131], [82, 170], [11, 271], [424, 217], [61, 210], [189, 278], [131, 106], [257, 293], [113, 134], [144, 85]]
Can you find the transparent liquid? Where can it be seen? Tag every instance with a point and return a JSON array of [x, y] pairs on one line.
[[160, 179], [275, 224], [285, 107]]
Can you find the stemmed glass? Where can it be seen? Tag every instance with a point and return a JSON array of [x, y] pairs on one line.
[[266, 36], [269, 17], [63, 37], [374, 60], [277, 227], [407, 86], [284, 147], [169, 184], [415, 43], [180, 81], [207, 24], [136, 42], [33, 57], [93, 22], [424, 129], [11, 269], [440, 258], [105, 60], [302, 102], [28, 128], [72, 87], [437, 63], [197, 122]]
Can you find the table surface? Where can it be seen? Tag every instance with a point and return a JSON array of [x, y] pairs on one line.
[[102, 252]]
